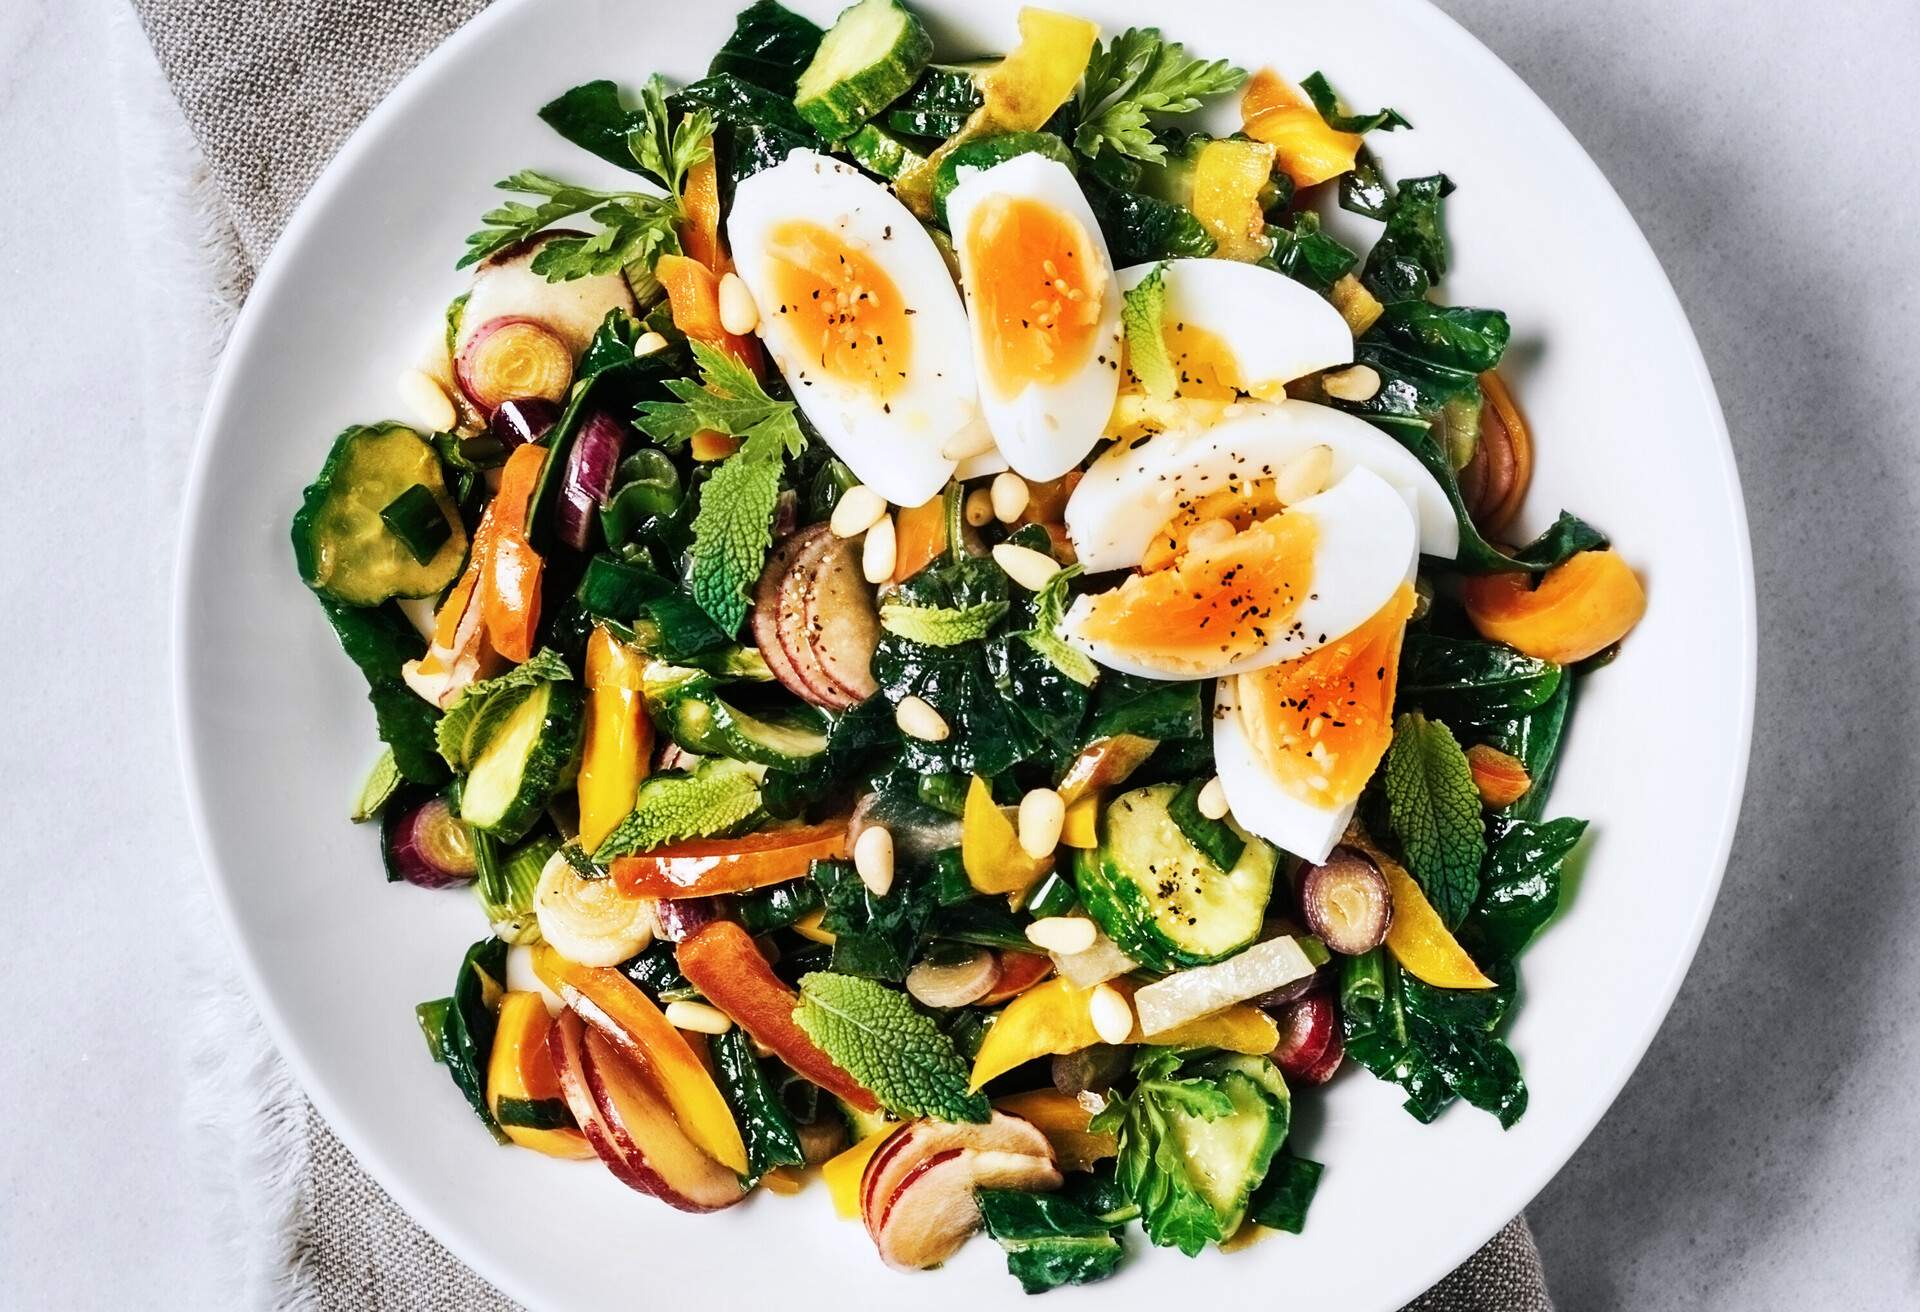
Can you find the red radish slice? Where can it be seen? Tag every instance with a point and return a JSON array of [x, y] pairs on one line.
[[765, 617], [1307, 1031], [566, 1045], [933, 1211], [1322, 1071], [510, 358], [587, 481], [842, 622], [791, 620], [916, 1141], [645, 1129]]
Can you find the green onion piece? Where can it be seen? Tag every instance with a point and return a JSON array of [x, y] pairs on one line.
[[534, 1113], [1054, 896], [415, 517], [432, 1017], [1216, 840]]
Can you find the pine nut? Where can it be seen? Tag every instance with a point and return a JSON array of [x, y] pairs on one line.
[[1307, 474], [738, 314], [698, 1017], [1207, 536], [976, 439], [858, 510], [1063, 934], [1031, 569], [979, 507], [873, 858], [919, 720], [1010, 496], [1042, 812], [1359, 383], [1111, 1014], [879, 551], [647, 343], [1213, 799], [427, 402]]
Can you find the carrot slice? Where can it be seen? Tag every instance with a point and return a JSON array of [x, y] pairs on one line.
[[693, 292], [920, 536], [700, 867], [700, 203]]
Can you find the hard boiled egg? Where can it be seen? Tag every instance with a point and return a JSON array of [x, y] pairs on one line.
[[1232, 327], [1296, 743], [1277, 589], [861, 314], [1135, 490], [1044, 307]]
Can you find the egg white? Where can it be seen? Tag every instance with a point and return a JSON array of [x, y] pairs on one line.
[[1043, 430], [1256, 798], [1277, 329], [893, 447], [1133, 489], [1365, 546]]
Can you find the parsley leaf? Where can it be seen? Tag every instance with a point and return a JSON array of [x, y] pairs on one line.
[[1141, 313], [664, 149], [635, 227], [734, 525], [1050, 608], [718, 796], [879, 1038], [1134, 76], [941, 626], [1434, 812]]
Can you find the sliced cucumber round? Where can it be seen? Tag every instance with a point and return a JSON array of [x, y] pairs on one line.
[[1158, 896], [346, 551], [871, 57], [528, 758], [1228, 1156], [686, 706]]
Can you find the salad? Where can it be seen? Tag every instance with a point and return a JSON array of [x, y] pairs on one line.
[[962, 639]]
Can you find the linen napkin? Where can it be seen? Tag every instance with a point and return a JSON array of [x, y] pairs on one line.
[[269, 92]]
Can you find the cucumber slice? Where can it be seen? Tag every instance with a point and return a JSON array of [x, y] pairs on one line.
[[345, 550], [1158, 897], [985, 152], [527, 759], [687, 707], [869, 58], [1228, 1156], [881, 153]]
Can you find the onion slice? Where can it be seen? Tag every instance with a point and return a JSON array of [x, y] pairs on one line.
[[427, 845], [1347, 902], [588, 480], [511, 357]]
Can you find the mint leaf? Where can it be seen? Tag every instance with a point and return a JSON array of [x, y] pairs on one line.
[[1142, 313], [941, 626], [719, 795], [1434, 813], [877, 1036], [479, 709], [1050, 609]]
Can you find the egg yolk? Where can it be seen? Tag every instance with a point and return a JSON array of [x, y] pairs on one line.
[[846, 313], [1320, 724], [1204, 365], [1035, 284], [1217, 603], [1235, 507]]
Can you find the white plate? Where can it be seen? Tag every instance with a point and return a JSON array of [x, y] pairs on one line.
[[276, 734]]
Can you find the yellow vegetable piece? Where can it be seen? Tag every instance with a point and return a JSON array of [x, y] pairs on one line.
[[709, 446], [1081, 827], [1063, 1120], [1305, 148], [1237, 1029], [1023, 90], [842, 1172], [1227, 179], [521, 1068], [1358, 306], [783, 1180], [1580, 608], [808, 926], [1418, 938], [990, 847], [619, 737]]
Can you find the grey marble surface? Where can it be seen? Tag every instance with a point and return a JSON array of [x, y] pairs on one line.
[[1765, 1155]]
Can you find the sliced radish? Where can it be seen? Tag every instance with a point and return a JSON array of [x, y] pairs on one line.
[[650, 1138], [842, 622], [765, 619], [932, 1212], [1019, 971], [916, 1141], [791, 620], [513, 358], [1307, 1031], [428, 845], [566, 1045], [1322, 1071]]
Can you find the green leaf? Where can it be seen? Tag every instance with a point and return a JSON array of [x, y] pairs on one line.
[[1339, 118], [1308, 255], [878, 1037], [1050, 610], [732, 531], [1567, 536], [1216, 840], [1142, 312], [665, 150], [717, 797], [595, 118], [770, 46], [1135, 75], [767, 1131], [1520, 885], [1433, 811], [1411, 254], [480, 708], [941, 626], [875, 936], [379, 640], [637, 226], [1050, 1240], [1282, 1199], [1480, 680]]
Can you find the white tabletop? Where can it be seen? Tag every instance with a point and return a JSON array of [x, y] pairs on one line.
[[1766, 1153]]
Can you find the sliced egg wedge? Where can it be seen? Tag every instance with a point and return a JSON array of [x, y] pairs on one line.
[[1232, 327]]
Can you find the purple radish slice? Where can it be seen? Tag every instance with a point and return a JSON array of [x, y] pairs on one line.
[[843, 624], [522, 421], [588, 480], [764, 619], [1287, 993], [1347, 902], [791, 621], [1307, 1029], [1322, 1071], [680, 918], [512, 357], [426, 844]]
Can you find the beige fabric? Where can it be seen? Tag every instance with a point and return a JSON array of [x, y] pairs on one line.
[[270, 90]]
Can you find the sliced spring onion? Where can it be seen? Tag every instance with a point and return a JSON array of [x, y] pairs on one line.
[[415, 517]]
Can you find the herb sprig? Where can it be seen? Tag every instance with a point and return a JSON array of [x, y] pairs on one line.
[[1136, 75]]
